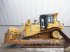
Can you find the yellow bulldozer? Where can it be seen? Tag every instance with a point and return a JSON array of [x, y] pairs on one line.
[[45, 33]]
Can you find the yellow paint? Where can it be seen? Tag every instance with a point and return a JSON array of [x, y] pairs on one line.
[[55, 23], [30, 29]]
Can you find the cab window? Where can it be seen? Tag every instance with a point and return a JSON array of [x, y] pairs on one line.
[[50, 19]]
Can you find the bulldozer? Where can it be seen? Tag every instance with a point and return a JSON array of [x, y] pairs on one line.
[[45, 33]]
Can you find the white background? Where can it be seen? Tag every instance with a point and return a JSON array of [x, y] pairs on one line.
[[16, 12]]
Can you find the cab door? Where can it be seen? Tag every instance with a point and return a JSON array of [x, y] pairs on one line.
[[43, 22]]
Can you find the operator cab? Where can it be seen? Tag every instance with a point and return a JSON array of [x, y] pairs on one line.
[[44, 20]]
